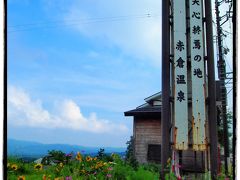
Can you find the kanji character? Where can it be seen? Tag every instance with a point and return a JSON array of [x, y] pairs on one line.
[[180, 62], [195, 2], [197, 44], [198, 73], [196, 29], [196, 15], [180, 45], [181, 96], [181, 79]]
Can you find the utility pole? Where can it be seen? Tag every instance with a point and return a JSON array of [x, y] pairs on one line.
[[234, 55], [174, 35], [165, 86], [211, 91], [222, 76]]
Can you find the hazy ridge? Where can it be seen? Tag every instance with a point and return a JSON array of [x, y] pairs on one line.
[[32, 149]]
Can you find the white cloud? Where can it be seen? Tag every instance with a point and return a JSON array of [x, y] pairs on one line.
[[24, 111], [136, 34]]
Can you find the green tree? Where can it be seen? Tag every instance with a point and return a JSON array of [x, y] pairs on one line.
[[130, 154], [103, 156], [54, 156], [220, 130], [101, 153]]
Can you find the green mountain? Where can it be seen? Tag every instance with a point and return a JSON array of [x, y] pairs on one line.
[[35, 150]]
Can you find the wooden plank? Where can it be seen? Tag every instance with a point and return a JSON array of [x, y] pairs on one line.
[[146, 132], [188, 161], [148, 124]]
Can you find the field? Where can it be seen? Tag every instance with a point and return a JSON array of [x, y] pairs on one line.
[[60, 166]]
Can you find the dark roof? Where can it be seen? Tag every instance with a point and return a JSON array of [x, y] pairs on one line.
[[150, 110], [153, 97]]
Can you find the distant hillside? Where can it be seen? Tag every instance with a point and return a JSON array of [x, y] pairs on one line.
[[35, 150]]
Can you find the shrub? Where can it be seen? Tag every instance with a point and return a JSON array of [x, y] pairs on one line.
[[84, 168], [170, 176], [130, 159], [121, 171], [103, 156], [142, 174], [152, 167], [57, 155]]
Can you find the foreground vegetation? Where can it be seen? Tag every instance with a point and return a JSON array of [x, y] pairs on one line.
[[60, 166], [79, 167]]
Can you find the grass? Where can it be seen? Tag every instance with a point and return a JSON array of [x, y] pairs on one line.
[[82, 168], [88, 168]]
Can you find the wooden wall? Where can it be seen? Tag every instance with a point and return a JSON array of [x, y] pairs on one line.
[[146, 131], [193, 162]]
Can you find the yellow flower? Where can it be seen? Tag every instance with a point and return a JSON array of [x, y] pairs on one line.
[[61, 164], [98, 166], [88, 158], [44, 177], [38, 167], [59, 178], [169, 160], [105, 164], [21, 178], [8, 165], [83, 171], [100, 163], [95, 158], [79, 157], [14, 167]]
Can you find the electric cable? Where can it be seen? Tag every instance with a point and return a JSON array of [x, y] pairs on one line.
[[61, 23]]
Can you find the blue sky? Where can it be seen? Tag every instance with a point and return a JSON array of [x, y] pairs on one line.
[[74, 67]]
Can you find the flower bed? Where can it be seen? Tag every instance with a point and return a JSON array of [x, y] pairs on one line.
[[77, 167]]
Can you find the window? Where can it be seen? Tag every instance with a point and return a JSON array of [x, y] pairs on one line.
[[154, 153]]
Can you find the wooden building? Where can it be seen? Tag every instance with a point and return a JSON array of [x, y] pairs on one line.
[[147, 130], [148, 140]]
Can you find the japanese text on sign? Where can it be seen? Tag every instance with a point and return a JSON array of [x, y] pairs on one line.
[[198, 71], [180, 77]]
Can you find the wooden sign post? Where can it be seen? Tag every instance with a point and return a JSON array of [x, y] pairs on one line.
[[183, 25], [180, 76], [198, 76]]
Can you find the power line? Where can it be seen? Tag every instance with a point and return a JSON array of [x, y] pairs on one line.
[[226, 59], [227, 32], [81, 19], [229, 91], [60, 23]]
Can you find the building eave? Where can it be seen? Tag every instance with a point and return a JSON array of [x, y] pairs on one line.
[[153, 97], [144, 111]]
